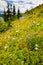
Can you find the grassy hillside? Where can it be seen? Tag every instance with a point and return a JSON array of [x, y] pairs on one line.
[[23, 43]]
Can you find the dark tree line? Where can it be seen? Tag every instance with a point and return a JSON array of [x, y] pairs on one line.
[[9, 15]]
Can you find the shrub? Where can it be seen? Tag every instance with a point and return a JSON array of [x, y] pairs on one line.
[[3, 25]]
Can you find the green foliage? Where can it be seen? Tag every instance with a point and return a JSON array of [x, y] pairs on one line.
[[3, 25], [35, 40], [11, 54]]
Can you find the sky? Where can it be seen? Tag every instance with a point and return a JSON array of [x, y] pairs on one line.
[[22, 4]]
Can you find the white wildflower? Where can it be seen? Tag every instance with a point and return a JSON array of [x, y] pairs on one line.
[[36, 48], [36, 45], [5, 47], [38, 24], [22, 63], [17, 31], [13, 38]]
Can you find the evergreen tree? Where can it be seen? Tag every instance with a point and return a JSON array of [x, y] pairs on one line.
[[14, 12], [8, 15], [11, 13], [8, 12], [5, 19], [18, 13]]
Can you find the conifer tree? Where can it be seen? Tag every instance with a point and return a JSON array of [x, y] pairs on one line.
[[11, 13], [18, 13], [8, 12], [8, 15], [14, 12], [5, 19]]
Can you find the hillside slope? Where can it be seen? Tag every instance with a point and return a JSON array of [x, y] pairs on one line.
[[18, 43], [33, 20]]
